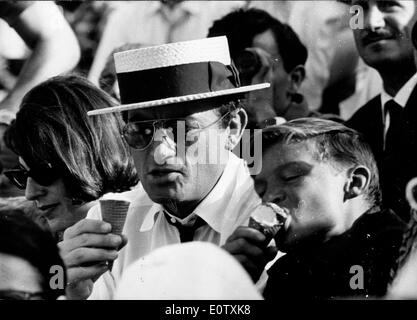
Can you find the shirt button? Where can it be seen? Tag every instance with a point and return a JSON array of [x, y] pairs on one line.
[[173, 220]]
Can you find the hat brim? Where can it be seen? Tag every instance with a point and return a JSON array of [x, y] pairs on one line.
[[172, 100]]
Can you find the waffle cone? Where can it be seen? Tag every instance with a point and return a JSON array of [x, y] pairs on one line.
[[114, 212]]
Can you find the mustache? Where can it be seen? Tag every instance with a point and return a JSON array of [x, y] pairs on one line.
[[373, 36]]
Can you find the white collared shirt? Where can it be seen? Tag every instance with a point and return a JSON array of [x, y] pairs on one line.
[[226, 207], [401, 98], [153, 23]]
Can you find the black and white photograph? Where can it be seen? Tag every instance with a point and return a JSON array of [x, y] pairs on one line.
[[213, 158]]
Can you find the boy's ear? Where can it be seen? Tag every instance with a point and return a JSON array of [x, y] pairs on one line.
[[358, 182]]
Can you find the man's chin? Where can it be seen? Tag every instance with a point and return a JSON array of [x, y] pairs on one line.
[[165, 195], [380, 58]]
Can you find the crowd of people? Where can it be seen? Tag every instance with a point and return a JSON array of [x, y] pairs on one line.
[[131, 131]]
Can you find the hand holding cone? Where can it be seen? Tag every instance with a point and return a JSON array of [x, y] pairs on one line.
[[268, 218]]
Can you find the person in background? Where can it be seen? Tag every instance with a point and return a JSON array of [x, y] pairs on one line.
[[187, 271], [266, 50], [55, 50], [28, 207], [108, 77], [337, 80], [29, 257], [339, 243], [88, 19], [157, 22], [389, 121], [54, 46], [68, 160]]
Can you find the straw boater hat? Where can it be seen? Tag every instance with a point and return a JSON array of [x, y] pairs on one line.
[[175, 73]]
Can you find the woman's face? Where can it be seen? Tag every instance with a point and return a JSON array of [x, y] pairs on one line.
[[54, 203]]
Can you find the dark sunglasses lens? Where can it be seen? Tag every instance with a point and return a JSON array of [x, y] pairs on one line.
[[44, 177], [18, 177], [138, 135]]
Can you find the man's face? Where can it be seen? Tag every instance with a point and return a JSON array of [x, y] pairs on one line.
[[174, 171], [386, 36], [310, 190], [281, 79]]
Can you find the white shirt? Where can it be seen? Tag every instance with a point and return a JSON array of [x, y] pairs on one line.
[[227, 206], [400, 98], [153, 23]]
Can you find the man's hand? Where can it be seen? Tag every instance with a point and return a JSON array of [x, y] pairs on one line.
[[248, 246], [86, 248]]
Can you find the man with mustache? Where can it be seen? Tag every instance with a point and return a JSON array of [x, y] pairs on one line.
[[389, 121], [184, 116]]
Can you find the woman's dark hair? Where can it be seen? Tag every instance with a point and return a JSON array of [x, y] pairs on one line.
[[21, 237], [52, 129], [243, 25]]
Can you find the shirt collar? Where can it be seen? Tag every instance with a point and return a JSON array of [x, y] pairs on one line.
[[191, 7], [402, 95], [212, 209]]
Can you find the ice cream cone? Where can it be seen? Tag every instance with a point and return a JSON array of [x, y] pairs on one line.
[[268, 218], [114, 211]]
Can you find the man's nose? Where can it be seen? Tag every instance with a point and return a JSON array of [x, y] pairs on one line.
[[33, 190], [374, 18], [165, 146]]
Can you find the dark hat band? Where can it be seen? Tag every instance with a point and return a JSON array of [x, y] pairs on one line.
[[176, 81]]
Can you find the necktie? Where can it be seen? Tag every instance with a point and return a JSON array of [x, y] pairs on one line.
[[394, 131], [186, 232]]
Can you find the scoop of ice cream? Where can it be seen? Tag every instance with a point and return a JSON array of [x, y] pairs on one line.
[[268, 218]]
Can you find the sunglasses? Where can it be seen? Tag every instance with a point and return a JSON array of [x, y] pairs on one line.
[[140, 134], [44, 176]]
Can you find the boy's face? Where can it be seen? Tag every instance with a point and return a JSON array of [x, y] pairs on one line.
[[310, 190]]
